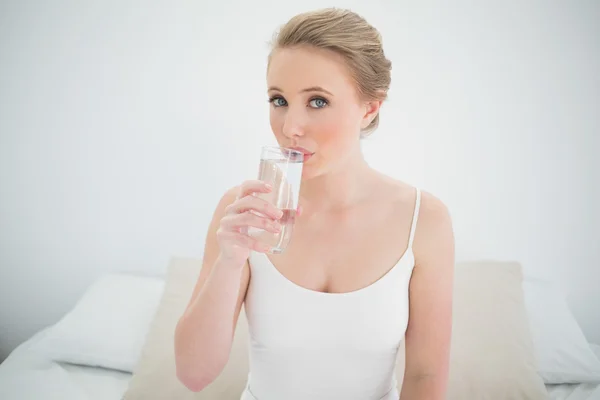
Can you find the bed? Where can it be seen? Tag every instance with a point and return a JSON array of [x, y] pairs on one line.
[[25, 376], [84, 357]]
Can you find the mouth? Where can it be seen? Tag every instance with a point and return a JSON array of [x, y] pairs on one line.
[[306, 153]]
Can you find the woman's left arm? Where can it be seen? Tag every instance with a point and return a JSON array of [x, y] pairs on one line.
[[430, 305]]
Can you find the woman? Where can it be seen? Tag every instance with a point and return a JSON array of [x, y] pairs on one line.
[[327, 316]]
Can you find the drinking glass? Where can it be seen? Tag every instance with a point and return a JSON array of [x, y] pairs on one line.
[[282, 169]]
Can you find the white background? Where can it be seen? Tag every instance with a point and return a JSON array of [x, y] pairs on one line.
[[122, 123]]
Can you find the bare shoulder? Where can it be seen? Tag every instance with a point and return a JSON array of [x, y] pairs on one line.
[[394, 192], [434, 227], [434, 235], [402, 195], [433, 212]]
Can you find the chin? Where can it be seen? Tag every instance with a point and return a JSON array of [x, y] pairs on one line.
[[307, 173], [311, 171]]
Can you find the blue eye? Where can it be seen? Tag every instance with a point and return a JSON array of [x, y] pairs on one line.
[[318, 103], [278, 101]]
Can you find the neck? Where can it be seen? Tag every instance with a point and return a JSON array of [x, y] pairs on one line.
[[337, 189]]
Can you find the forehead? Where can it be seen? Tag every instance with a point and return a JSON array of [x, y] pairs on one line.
[[293, 69]]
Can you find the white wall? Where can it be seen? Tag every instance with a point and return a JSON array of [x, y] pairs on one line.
[[122, 124]]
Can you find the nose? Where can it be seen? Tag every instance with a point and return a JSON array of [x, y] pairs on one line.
[[293, 125]]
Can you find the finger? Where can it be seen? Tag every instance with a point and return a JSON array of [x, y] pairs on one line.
[[253, 186], [236, 221], [257, 204], [299, 211]]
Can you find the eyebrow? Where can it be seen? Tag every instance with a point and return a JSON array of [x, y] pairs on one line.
[[309, 89]]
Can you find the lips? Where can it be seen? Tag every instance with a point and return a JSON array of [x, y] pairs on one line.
[[307, 156]]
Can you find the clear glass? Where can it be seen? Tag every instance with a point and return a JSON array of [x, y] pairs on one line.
[[282, 169]]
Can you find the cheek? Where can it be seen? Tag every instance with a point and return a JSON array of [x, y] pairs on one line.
[[337, 128], [276, 121]]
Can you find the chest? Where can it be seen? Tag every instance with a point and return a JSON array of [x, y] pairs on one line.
[[281, 316], [347, 251]]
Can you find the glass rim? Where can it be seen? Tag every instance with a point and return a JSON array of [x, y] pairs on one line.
[[290, 153]]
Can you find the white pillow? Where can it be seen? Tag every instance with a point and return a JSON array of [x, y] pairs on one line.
[[108, 325], [562, 351]]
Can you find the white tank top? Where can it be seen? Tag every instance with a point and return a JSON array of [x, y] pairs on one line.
[[310, 345]]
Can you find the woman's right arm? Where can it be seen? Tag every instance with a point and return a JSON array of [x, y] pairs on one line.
[[204, 333]]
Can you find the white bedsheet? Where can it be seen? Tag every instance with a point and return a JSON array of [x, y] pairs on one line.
[[584, 391], [25, 375]]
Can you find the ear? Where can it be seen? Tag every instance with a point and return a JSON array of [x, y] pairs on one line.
[[371, 111]]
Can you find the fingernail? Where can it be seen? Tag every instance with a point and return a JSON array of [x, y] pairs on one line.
[[268, 186]]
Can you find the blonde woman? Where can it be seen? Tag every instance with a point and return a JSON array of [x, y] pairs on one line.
[[370, 266]]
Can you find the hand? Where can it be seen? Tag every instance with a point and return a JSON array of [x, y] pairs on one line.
[[234, 242]]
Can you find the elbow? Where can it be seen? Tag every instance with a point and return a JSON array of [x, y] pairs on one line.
[[194, 385], [194, 368], [424, 385], [195, 381], [194, 375], [190, 373]]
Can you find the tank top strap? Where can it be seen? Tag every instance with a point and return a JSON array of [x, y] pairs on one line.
[[414, 219]]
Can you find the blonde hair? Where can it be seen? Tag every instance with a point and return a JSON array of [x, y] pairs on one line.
[[349, 35]]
